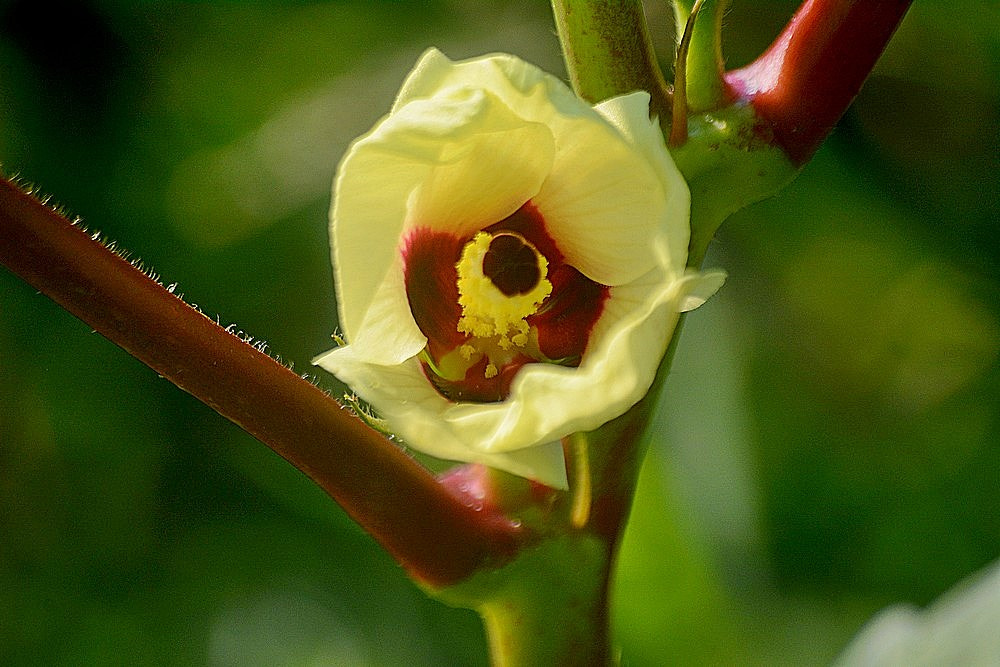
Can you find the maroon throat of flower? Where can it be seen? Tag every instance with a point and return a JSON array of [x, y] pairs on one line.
[[494, 301]]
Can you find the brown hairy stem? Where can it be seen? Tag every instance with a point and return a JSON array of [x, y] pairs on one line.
[[437, 538]]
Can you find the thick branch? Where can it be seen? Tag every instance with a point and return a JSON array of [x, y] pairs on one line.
[[608, 51], [436, 537], [808, 77]]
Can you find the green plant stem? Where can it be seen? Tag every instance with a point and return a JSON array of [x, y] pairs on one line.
[[705, 87], [552, 606], [608, 51], [438, 538]]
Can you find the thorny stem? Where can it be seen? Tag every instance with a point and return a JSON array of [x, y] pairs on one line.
[[808, 77], [438, 538]]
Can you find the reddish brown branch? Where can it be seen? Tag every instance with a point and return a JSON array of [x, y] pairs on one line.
[[808, 77], [436, 537]]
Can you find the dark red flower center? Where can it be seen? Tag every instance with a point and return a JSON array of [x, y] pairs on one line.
[[511, 264], [527, 305]]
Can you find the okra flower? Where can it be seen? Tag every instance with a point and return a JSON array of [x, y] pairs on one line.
[[510, 262]]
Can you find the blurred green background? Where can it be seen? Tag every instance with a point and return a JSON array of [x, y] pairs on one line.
[[827, 445]]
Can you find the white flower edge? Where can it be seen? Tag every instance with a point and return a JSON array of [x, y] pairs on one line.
[[546, 403], [960, 628]]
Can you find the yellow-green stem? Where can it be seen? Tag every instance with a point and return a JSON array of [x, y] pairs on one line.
[[609, 52]]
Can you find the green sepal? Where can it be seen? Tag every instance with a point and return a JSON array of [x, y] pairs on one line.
[[729, 161], [706, 88]]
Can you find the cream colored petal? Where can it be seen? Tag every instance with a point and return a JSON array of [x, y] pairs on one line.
[[421, 417], [530, 92], [498, 132], [615, 373], [548, 402], [388, 333], [603, 204], [698, 287], [367, 218], [630, 114], [544, 463], [603, 201], [454, 164], [496, 163]]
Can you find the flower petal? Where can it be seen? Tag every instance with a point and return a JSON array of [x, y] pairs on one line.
[[429, 421], [373, 203], [388, 333], [698, 287], [630, 114], [602, 200], [495, 164], [567, 318], [528, 91], [425, 164]]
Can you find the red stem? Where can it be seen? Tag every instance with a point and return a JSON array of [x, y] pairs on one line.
[[808, 77], [436, 537]]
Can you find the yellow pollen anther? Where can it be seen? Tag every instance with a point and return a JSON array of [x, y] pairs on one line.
[[487, 312]]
